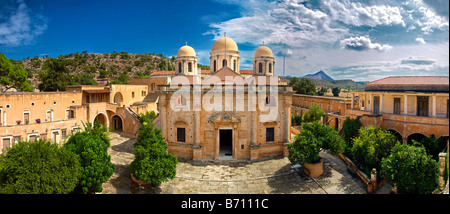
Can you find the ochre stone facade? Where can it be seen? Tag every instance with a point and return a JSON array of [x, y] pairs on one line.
[[27, 116], [410, 107], [223, 115]]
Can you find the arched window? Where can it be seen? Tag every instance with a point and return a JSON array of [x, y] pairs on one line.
[[270, 67], [224, 63], [260, 68], [234, 65], [215, 68], [179, 67], [270, 101], [190, 67]]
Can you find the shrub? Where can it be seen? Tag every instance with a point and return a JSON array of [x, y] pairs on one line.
[[38, 167], [91, 146], [351, 128], [152, 164], [313, 137], [313, 114], [371, 146], [411, 169]]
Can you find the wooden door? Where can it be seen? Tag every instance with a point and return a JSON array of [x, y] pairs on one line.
[[376, 105], [422, 106]]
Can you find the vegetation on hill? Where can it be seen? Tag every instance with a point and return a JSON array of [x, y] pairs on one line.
[[86, 68]]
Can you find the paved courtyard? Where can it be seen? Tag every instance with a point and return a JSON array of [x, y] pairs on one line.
[[261, 177]]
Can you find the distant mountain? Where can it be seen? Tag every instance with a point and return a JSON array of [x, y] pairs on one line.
[[319, 76]]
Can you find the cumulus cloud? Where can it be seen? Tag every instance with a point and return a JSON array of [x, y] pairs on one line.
[[285, 22], [21, 27], [421, 40], [439, 6], [362, 43], [356, 14]]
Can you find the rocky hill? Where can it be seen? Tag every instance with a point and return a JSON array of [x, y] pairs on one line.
[[105, 66]]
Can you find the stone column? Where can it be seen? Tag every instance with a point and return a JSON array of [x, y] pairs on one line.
[[406, 104], [351, 104], [287, 131], [162, 115], [371, 103], [381, 103], [434, 107]]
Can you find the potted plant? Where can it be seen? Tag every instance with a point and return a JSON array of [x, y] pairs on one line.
[[27, 121], [38, 120], [308, 143], [18, 122]]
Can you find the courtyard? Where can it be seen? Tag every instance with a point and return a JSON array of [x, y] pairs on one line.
[[274, 176]]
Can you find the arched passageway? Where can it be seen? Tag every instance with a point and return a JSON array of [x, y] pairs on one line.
[[102, 119], [416, 136], [397, 135], [117, 123]]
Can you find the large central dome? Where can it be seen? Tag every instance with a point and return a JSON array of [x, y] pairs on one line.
[[219, 45]]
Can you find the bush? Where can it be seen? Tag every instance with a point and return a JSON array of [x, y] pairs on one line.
[[91, 146], [152, 164], [296, 119], [39, 167], [351, 128], [313, 114], [411, 169], [313, 137], [371, 146]]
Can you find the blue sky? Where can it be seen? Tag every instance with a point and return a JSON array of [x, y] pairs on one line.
[[359, 40]]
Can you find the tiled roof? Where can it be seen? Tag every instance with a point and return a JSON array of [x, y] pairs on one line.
[[411, 80], [162, 73], [410, 83], [246, 72]]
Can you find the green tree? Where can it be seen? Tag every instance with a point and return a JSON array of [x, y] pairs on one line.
[[91, 146], [83, 79], [13, 76], [410, 169], [313, 114], [351, 128], [336, 91], [313, 137], [152, 163], [322, 91], [147, 117], [54, 76], [431, 146], [38, 167], [371, 146], [303, 86]]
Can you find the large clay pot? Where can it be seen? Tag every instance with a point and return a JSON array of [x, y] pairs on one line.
[[314, 170], [137, 181]]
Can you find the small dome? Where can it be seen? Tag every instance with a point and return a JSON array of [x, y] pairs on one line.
[[263, 51], [186, 51], [219, 45]]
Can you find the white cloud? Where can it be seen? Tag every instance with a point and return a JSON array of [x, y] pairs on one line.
[[421, 40], [21, 27], [356, 14], [362, 43], [431, 21], [283, 22]]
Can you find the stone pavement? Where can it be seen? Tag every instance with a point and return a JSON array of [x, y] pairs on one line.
[[242, 177]]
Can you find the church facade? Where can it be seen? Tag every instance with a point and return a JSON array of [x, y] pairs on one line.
[[223, 114]]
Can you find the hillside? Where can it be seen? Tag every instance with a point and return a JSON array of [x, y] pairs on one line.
[[109, 66]]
